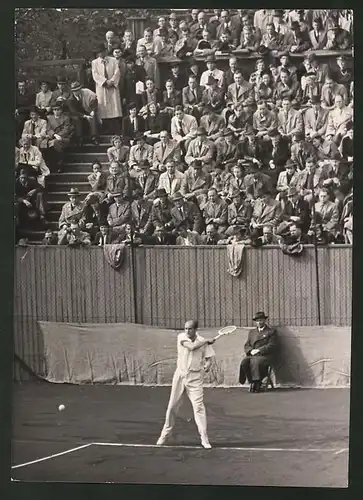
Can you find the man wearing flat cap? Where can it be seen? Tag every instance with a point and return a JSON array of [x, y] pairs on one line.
[[196, 183], [201, 149], [259, 349], [147, 180], [212, 70], [83, 108]]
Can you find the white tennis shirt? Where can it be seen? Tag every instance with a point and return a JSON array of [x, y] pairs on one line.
[[192, 361]]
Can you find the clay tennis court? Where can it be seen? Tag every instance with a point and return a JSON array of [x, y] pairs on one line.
[[108, 433]]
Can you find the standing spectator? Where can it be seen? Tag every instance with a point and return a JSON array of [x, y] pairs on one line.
[[106, 74], [338, 119], [183, 127], [212, 70], [36, 128], [97, 179], [197, 29], [281, 27], [119, 213], [170, 180], [161, 26], [326, 218], [133, 75], [215, 211], [132, 125], [193, 18], [201, 149], [29, 200], [317, 35], [111, 42], [83, 107], [118, 152], [25, 100], [262, 17], [117, 54], [315, 118], [173, 25], [149, 64], [59, 135], [43, 98], [32, 161], [128, 45], [166, 46], [164, 151], [289, 120]]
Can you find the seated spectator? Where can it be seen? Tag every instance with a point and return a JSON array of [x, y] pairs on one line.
[[271, 39], [186, 237], [213, 71], [193, 69], [183, 128], [119, 213], [72, 211], [212, 123], [187, 213], [116, 182], [128, 44], [211, 237], [264, 121], [83, 106], [132, 125], [221, 178], [338, 176], [256, 184], [43, 98], [25, 100], [300, 150], [150, 95], [291, 242], [95, 214], [239, 237], [310, 180], [74, 236], [59, 134], [111, 42], [281, 27], [343, 75], [302, 17], [213, 96], [325, 219], [347, 220], [164, 151], [150, 65], [36, 128], [29, 201], [161, 210], [250, 149], [311, 90], [265, 90], [118, 152], [295, 210], [31, 160], [201, 149], [106, 236], [148, 180], [151, 44], [192, 98], [156, 120], [346, 145], [206, 45], [249, 39], [161, 26], [324, 149], [266, 212], [186, 43], [172, 179], [177, 76], [215, 20], [171, 97], [226, 147], [226, 43], [287, 179], [239, 213], [49, 238], [317, 35], [329, 92], [297, 41], [239, 91], [338, 119], [277, 151], [131, 237], [133, 74], [265, 237], [173, 25], [236, 182], [196, 183], [215, 211], [286, 64], [140, 151], [61, 94], [315, 118], [98, 179], [287, 87], [240, 122], [289, 120], [161, 237], [262, 17], [141, 213], [338, 38]]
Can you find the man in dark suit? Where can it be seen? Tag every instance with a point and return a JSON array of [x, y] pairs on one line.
[[24, 101], [119, 213], [140, 212], [29, 201], [259, 348], [106, 236], [133, 74], [295, 210], [132, 124], [192, 97], [186, 212], [161, 237]]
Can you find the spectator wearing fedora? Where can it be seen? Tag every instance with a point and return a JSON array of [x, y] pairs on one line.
[[297, 41], [74, 236], [61, 94], [83, 108], [128, 44], [59, 134], [213, 96], [119, 213], [177, 76], [295, 210], [186, 212], [31, 160], [226, 147], [213, 71], [183, 128], [266, 212], [164, 151], [172, 179], [315, 118], [72, 211], [141, 213], [147, 180], [29, 201], [300, 150], [140, 151], [239, 213], [43, 98], [215, 211], [161, 210], [36, 128], [201, 149], [196, 183], [259, 349]]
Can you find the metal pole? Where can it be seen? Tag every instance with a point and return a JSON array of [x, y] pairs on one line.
[[133, 262], [316, 259]]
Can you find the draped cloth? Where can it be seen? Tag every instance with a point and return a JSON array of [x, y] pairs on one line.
[[235, 255], [114, 254]]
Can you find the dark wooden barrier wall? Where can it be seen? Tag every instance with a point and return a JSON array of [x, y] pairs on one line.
[[173, 284]]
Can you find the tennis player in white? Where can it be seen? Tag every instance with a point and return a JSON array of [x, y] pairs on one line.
[[194, 358]]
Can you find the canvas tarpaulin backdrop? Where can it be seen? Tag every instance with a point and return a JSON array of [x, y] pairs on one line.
[[138, 354]]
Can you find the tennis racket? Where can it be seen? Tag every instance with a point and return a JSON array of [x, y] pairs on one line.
[[225, 331]]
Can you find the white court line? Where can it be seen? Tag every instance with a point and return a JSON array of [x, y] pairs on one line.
[[52, 456], [190, 447]]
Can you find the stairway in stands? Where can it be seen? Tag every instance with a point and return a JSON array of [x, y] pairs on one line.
[[78, 165]]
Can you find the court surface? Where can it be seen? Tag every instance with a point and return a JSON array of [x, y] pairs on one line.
[[108, 434]]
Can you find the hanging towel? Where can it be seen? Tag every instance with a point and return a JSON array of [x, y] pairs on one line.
[[114, 254], [235, 253]]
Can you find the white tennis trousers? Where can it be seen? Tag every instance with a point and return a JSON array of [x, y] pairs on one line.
[[192, 384]]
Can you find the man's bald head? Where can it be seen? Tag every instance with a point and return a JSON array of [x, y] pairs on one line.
[[191, 328]]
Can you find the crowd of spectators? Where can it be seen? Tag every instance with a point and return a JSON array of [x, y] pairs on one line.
[[210, 157]]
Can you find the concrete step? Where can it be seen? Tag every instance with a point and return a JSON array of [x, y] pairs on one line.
[[67, 177], [78, 167], [90, 148], [83, 157], [55, 186], [63, 196]]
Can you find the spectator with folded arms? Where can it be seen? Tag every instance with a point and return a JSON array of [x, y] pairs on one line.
[[31, 160]]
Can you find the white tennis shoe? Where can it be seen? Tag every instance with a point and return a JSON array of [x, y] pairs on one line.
[[205, 443], [161, 441]]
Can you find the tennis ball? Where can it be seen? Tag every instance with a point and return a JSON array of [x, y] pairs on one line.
[[61, 407]]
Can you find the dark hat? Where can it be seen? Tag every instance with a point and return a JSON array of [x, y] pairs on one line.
[[295, 25], [284, 53], [132, 105], [315, 99], [130, 58], [201, 131], [177, 196], [310, 73], [204, 44], [34, 109], [211, 80], [252, 167], [310, 56], [61, 79], [226, 132], [74, 192], [197, 164], [139, 135], [259, 315], [210, 58], [290, 163], [144, 163], [278, 13], [299, 136], [100, 48], [292, 191], [161, 192], [175, 64], [263, 50], [57, 105], [75, 86], [274, 133]]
